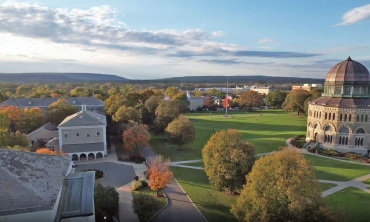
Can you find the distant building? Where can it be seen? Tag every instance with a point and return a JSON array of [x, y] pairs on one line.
[[261, 89], [91, 103], [195, 102], [45, 133], [308, 87], [42, 188]]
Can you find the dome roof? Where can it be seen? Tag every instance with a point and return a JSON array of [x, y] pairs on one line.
[[348, 72]]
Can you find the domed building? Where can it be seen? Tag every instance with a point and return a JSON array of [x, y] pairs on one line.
[[340, 118]]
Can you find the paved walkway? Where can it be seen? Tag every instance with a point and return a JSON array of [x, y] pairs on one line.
[[125, 196], [180, 207]]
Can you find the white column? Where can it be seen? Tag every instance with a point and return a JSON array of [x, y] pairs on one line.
[[105, 141]]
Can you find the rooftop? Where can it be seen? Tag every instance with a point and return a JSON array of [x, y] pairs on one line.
[[48, 126], [45, 102], [30, 182], [83, 118]]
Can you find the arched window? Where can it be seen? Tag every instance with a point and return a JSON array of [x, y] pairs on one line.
[[362, 117], [345, 117], [346, 140], [350, 117], [362, 141], [329, 116], [358, 118], [341, 117], [360, 131], [320, 115], [366, 118], [326, 115], [356, 142], [331, 139], [340, 140], [333, 116], [314, 114]]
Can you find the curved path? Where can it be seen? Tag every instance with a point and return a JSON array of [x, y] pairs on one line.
[[180, 208]]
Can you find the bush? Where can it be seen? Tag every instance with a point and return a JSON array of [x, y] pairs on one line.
[[298, 141], [143, 204], [136, 158], [136, 185], [146, 174], [143, 183]]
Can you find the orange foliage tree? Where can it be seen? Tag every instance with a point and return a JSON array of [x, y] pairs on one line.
[[159, 172], [136, 136], [49, 152], [14, 115]]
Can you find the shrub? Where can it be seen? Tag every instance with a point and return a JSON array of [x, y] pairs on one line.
[[143, 204], [98, 173], [136, 158], [136, 185], [143, 183], [146, 174]]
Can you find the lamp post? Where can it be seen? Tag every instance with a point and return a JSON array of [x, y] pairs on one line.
[[105, 218]]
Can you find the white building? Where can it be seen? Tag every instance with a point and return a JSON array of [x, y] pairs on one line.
[[38, 187], [81, 136], [195, 102]]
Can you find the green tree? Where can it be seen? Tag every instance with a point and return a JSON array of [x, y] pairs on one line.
[[126, 114], [106, 199], [58, 111], [172, 91], [13, 139], [227, 160], [251, 99], [275, 98], [4, 121], [23, 90], [281, 187], [31, 119], [199, 93], [295, 100], [3, 97], [314, 94], [180, 131]]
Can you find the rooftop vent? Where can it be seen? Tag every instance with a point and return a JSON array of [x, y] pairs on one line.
[[81, 117], [29, 103]]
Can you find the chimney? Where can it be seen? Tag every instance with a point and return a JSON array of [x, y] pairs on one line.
[[83, 108]]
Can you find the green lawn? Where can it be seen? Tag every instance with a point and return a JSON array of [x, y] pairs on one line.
[[327, 169], [267, 132], [327, 186], [352, 202], [198, 164], [160, 202], [366, 181], [214, 205]]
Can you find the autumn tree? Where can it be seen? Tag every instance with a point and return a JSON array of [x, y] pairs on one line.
[[136, 137], [314, 94], [227, 102], [165, 113], [209, 103], [32, 118], [160, 174], [49, 152], [172, 91], [295, 100], [58, 111], [199, 93], [81, 92], [227, 160], [114, 102], [10, 139], [180, 131], [14, 115], [251, 99], [126, 114], [56, 95], [4, 121], [23, 90], [281, 187], [181, 102], [275, 98], [3, 97], [152, 103]]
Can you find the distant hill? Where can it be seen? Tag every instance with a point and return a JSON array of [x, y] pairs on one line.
[[58, 77], [92, 77], [234, 79]]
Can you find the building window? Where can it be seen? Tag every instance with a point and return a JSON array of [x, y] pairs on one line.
[[77, 134], [338, 90], [350, 118], [88, 134], [341, 117], [358, 118], [329, 116], [347, 90], [333, 116], [98, 133], [326, 115], [362, 117], [345, 117], [32, 142], [366, 118], [65, 135]]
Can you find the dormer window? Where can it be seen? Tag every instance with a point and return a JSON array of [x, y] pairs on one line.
[[65, 135], [74, 102], [98, 133], [29, 103], [88, 134], [77, 134]]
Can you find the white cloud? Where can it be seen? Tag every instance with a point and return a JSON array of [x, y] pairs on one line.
[[218, 34], [355, 15], [266, 41]]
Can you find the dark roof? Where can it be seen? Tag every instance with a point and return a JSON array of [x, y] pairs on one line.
[[30, 182], [348, 72], [342, 102], [45, 102], [84, 118], [77, 197], [53, 142], [48, 126], [85, 147]]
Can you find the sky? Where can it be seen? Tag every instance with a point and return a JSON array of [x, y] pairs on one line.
[[153, 39]]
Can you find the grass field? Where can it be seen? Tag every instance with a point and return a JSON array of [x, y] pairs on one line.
[[266, 129], [352, 202], [327, 186]]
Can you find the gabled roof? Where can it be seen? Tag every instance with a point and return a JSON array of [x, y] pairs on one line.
[[77, 197], [30, 182], [53, 142], [83, 118], [49, 127], [45, 102]]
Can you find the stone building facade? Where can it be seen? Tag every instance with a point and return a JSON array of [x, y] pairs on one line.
[[340, 119]]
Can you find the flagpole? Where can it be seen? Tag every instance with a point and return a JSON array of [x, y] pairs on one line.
[[227, 93]]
